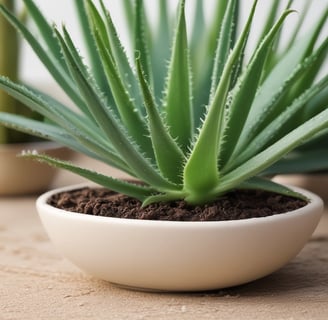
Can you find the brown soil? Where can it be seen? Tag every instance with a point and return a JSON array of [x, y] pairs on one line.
[[241, 204]]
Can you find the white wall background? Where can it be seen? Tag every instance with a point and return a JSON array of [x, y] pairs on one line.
[[62, 11]]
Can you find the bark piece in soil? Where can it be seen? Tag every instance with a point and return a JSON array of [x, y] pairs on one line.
[[236, 205]]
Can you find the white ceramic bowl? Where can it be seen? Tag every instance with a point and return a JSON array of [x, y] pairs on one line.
[[179, 256]]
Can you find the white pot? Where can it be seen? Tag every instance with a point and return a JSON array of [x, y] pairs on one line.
[[20, 176], [179, 256]]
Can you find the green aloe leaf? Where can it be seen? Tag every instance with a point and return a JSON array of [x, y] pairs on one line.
[[199, 27], [43, 130], [160, 49], [257, 183], [131, 189], [296, 29], [129, 11], [203, 54], [316, 105], [224, 44], [278, 127], [169, 156], [75, 53], [53, 65], [115, 133], [308, 161], [179, 111], [215, 25], [253, 139], [141, 40], [273, 153], [90, 45], [245, 91], [261, 111], [126, 106], [210, 134], [269, 20], [78, 143], [46, 30], [48, 107], [87, 134], [120, 57]]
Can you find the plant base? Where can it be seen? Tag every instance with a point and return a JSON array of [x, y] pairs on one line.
[[240, 204]]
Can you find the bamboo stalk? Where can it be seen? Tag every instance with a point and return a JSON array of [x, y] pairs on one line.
[[9, 67]]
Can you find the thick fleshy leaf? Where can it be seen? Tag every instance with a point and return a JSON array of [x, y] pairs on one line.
[[307, 161], [134, 190], [160, 49], [279, 125], [121, 59], [224, 44], [204, 44], [290, 116], [254, 126], [127, 110], [244, 92], [125, 104], [52, 64], [169, 157], [298, 26], [270, 186], [141, 49], [261, 110], [316, 105], [79, 142], [128, 7], [179, 113], [72, 123], [48, 107], [273, 153], [211, 132], [95, 61], [46, 30], [111, 128]]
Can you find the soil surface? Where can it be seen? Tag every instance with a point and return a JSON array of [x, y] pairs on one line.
[[240, 204]]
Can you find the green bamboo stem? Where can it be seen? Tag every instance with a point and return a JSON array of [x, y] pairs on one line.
[[9, 67]]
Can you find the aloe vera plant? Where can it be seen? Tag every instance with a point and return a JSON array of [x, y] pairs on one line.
[[208, 121]]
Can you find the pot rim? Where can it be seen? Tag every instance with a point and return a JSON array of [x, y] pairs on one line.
[[315, 203]]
